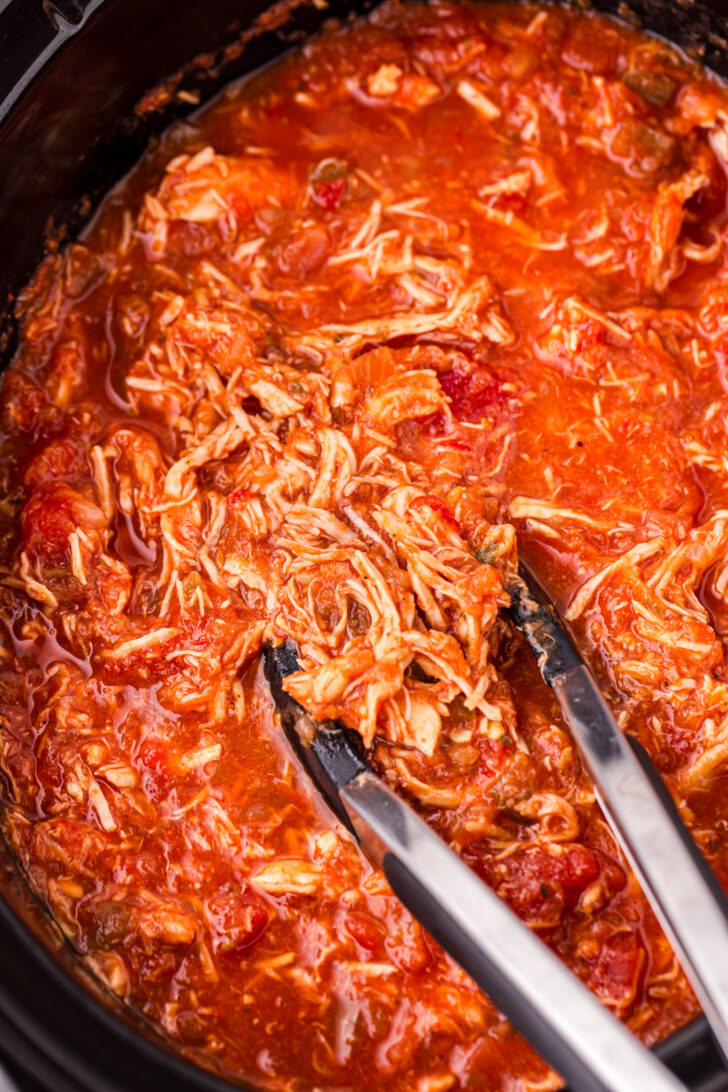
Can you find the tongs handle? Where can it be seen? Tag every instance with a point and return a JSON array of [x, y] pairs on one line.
[[676, 878], [548, 1004]]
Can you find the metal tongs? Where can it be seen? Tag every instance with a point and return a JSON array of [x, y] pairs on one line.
[[569, 1027], [675, 877]]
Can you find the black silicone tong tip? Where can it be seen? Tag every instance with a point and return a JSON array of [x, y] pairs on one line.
[[331, 754], [533, 614], [278, 662]]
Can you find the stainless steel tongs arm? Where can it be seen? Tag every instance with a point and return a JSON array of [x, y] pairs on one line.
[[676, 878], [554, 1010], [674, 875]]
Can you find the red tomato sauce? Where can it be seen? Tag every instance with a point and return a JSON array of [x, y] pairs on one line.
[[442, 284]]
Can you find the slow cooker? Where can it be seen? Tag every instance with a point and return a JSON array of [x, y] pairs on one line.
[[84, 86]]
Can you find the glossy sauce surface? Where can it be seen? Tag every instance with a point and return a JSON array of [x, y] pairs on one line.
[[447, 272]]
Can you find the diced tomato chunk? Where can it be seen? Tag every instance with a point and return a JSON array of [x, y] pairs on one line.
[[364, 929], [473, 395], [47, 523], [407, 944], [618, 970], [153, 758], [329, 182], [329, 194], [52, 513], [236, 922], [540, 883]]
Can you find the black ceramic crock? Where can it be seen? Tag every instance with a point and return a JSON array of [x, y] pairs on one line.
[[72, 74]]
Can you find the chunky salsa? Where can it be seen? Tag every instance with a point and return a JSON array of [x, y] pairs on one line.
[[443, 283]]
